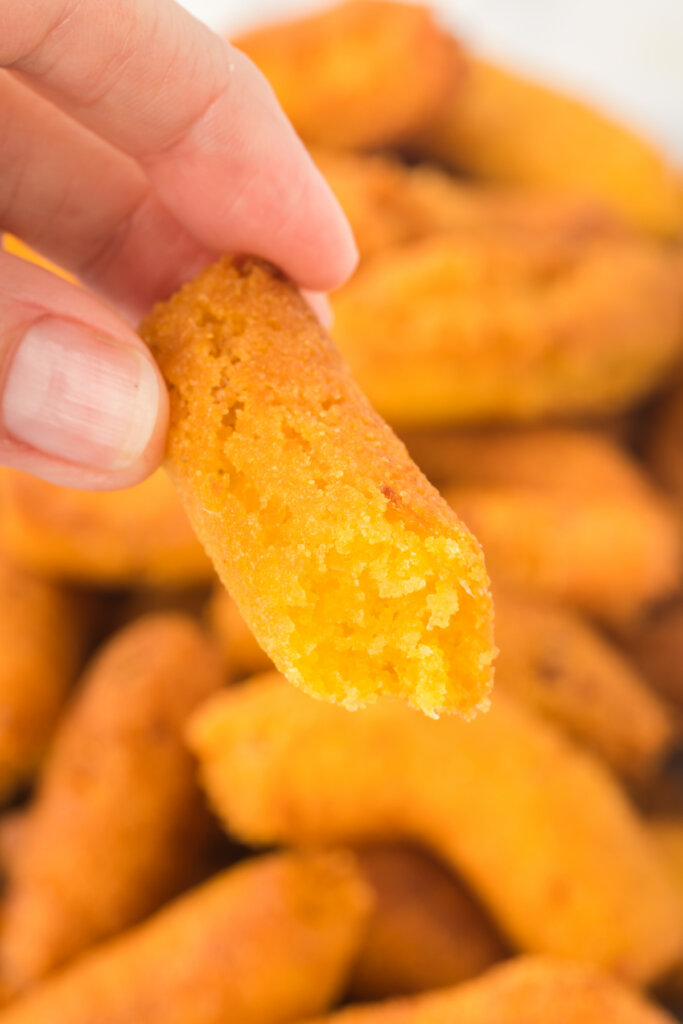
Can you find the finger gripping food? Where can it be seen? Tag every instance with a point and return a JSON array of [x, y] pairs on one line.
[[353, 573]]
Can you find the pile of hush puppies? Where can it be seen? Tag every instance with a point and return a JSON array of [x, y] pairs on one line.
[[368, 707]]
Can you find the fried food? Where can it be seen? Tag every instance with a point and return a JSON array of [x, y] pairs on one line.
[[12, 830], [458, 329], [241, 654], [664, 443], [267, 942], [536, 826], [354, 575], [374, 70], [568, 515], [425, 930], [43, 636], [555, 662], [388, 203], [528, 990], [656, 645], [668, 836], [139, 536], [118, 825], [504, 127]]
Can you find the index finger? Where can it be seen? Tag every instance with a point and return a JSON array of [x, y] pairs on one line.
[[205, 124]]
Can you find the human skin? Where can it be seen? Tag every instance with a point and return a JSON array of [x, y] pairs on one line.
[[135, 145]]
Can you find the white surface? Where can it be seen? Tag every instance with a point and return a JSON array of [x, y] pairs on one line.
[[625, 54]]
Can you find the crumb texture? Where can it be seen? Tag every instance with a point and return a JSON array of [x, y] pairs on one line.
[[355, 576]]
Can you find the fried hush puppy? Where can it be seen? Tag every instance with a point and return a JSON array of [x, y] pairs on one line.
[[240, 653], [43, 637], [374, 70], [503, 127], [551, 659], [554, 527], [664, 443], [459, 329], [389, 203], [138, 536], [425, 930], [267, 942], [528, 990], [668, 835], [554, 661], [656, 645], [118, 824], [355, 576], [537, 827]]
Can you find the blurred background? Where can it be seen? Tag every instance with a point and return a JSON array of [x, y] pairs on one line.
[[624, 54]]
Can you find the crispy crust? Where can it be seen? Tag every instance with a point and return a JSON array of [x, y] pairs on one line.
[[43, 638], [504, 127], [557, 663], [139, 536], [389, 203], [566, 514], [529, 990], [118, 825], [268, 942], [537, 827], [374, 70], [426, 931], [241, 654], [454, 329], [352, 572]]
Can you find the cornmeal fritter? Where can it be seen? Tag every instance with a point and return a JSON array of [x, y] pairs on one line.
[[354, 575]]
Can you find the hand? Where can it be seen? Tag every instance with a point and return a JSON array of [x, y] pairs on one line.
[[136, 145]]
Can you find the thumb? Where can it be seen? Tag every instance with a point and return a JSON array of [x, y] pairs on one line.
[[82, 402]]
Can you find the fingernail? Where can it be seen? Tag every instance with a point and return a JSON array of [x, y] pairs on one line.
[[320, 304], [80, 396]]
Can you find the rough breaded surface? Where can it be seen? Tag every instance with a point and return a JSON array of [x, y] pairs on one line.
[[361, 73], [425, 931], [240, 652], [557, 663], [138, 536], [566, 514], [43, 637], [268, 942], [459, 329], [354, 575], [388, 203], [118, 825], [504, 127], [528, 990], [536, 826]]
